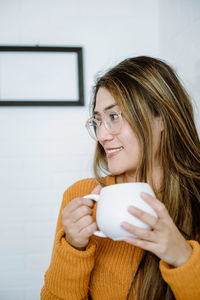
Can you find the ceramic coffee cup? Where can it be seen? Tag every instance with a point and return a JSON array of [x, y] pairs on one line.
[[112, 208]]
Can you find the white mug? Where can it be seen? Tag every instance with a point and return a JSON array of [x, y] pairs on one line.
[[112, 208]]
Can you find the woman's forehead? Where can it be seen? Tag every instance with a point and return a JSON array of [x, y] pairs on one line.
[[104, 100]]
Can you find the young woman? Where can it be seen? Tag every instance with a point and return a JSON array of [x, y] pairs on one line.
[[143, 123]]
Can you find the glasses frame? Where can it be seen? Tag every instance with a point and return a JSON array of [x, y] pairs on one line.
[[105, 123]]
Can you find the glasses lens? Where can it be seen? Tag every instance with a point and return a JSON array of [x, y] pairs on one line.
[[113, 121], [92, 128]]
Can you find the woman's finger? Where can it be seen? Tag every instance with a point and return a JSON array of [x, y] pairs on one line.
[[143, 244], [88, 230], [76, 203], [157, 205], [84, 222], [80, 212], [141, 233], [73, 205], [143, 216]]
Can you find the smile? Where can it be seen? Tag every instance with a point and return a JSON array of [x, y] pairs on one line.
[[112, 151]]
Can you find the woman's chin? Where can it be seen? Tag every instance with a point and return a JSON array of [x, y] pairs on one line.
[[115, 171]]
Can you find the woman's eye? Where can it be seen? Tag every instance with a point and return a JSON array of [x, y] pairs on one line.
[[113, 116]]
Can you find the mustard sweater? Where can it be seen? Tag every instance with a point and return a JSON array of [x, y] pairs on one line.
[[105, 268]]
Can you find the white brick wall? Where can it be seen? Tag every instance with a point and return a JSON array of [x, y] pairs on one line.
[[44, 150], [180, 43]]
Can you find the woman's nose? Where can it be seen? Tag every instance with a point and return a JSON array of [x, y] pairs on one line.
[[103, 133]]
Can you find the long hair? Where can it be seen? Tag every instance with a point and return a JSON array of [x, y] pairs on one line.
[[146, 87]]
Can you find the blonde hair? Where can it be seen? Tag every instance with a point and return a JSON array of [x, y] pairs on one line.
[[144, 87]]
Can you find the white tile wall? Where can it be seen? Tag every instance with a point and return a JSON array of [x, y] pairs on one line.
[[44, 150]]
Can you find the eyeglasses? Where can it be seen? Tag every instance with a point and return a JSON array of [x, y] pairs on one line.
[[111, 119]]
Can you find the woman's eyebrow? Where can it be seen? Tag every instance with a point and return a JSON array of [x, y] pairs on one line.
[[105, 109]]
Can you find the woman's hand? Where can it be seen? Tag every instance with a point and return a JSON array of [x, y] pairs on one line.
[[164, 240], [78, 222]]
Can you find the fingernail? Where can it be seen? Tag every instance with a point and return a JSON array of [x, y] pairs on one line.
[[132, 209], [124, 224], [144, 195], [128, 239]]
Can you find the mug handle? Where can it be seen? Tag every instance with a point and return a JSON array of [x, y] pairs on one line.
[[95, 197]]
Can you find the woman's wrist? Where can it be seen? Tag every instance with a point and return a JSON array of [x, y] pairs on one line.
[[77, 248], [183, 258]]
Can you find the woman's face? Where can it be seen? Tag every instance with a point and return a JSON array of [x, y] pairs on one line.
[[122, 149]]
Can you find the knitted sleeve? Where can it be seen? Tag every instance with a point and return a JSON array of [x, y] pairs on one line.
[[69, 272], [184, 280]]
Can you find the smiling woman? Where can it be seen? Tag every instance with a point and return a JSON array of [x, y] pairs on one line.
[[142, 120], [121, 148]]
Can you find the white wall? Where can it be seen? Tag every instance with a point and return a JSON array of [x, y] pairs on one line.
[[180, 44], [44, 150]]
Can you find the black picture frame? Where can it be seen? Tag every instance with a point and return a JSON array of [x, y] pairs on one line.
[[78, 51]]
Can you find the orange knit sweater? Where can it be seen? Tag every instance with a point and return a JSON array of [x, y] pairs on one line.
[[105, 268]]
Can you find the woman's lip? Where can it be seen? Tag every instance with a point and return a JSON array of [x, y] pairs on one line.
[[110, 152], [113, 148]]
